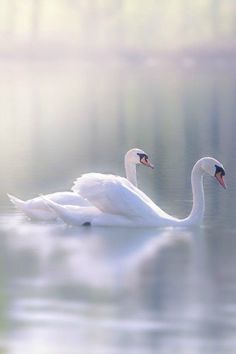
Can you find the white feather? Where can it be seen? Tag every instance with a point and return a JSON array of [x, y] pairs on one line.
[[122, 204]]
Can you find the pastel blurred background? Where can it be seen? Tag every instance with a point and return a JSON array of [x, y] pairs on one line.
[[47, 28], [81, 82]]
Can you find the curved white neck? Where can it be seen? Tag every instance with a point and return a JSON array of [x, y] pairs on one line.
[[198, 207], [130, 170]]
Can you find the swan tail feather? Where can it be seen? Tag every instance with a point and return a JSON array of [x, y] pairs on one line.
[[18, 203], [31, 212]]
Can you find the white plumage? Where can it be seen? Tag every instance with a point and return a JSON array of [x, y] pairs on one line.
[[117, 202], [114, 195], [37, 209]]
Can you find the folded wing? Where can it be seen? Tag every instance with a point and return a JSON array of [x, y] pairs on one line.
[[115, 195]]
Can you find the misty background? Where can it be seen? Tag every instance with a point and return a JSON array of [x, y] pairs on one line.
[[133, 28], [82, 82]]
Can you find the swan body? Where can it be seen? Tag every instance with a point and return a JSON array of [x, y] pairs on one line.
[[37, 209], [117, 202]]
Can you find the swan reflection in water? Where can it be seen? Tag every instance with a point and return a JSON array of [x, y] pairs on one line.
[[105, 258], [90, 281]]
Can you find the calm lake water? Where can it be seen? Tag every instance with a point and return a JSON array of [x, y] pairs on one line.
[[111, 290]]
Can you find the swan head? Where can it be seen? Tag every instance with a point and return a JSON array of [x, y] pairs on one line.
[[138, 157], [214, 168]]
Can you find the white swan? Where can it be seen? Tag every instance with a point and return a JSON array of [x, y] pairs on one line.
[[37, 209], [119, 203]]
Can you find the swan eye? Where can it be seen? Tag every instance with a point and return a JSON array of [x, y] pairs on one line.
[[219, 170], [142, 157]]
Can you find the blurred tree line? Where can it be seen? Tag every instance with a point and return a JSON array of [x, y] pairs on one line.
[[134, 25]]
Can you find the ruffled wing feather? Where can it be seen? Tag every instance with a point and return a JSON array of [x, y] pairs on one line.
[[115, 195]]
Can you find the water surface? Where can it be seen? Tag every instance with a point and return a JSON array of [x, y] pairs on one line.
[[104, 290]]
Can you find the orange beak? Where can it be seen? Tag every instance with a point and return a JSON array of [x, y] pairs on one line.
[[147, 163], [220, 179]]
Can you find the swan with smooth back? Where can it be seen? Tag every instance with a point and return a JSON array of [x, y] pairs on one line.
[[37, 209], [117, 202]]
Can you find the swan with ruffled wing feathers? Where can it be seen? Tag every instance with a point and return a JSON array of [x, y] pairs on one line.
[[119, 203]]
